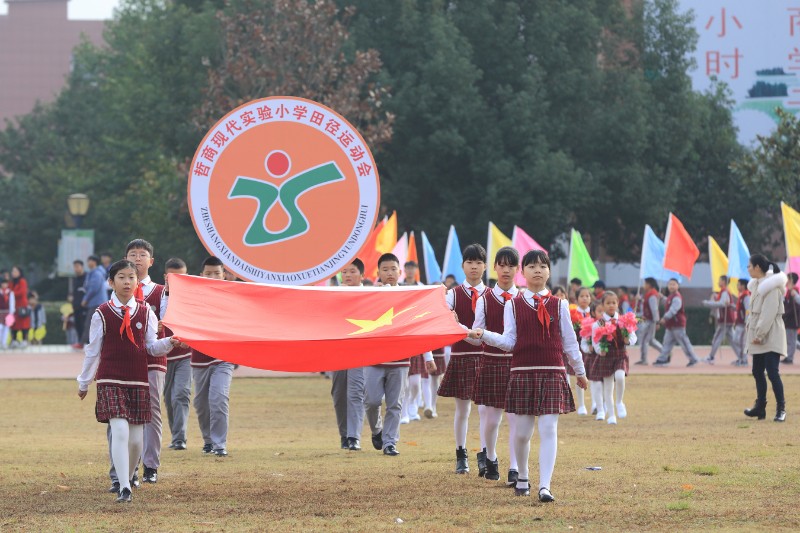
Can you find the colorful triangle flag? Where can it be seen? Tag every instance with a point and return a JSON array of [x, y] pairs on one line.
[[433, 274], [719, 265], [495, 240], [791, 230], [738, 257], [308, 329], [387, 237], [680, 253], [581, 265], [369, 253], [412, 254], [524, 243], [401, 251], [452, 257], [652, 261]]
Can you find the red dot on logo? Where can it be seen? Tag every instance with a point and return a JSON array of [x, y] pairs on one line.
[[278, 163]]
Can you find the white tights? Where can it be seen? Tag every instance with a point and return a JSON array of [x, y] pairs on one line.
[[490, 420], [410, 402], [127, 441], [596, 388], [580, 394], [425, 385], [433, 392], [548, 446], [461, 421], [609, 383]]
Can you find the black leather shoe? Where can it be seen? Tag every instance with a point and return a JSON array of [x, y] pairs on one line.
[[390, 450], [114, 488], [513, 476], [522, 492], [150, 475], [345, 443], [377, 440], [135, 479], [492, 469], [482, 463], [545, 496], [462, 465], [780, 414], [759, 410], [353, 444], [124, 496], [207, 448]]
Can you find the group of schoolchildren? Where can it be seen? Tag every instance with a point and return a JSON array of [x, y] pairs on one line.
[[514, 360], [136, 362]]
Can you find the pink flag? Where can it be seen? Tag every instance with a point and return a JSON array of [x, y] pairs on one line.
[[524, 243], [401, 250]]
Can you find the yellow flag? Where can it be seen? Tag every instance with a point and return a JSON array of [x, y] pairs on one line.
[[387, 238], [496, 240], [791, 227], [719, 266]]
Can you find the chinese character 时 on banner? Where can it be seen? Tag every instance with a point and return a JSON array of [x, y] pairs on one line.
[[723, 22], [717, 62]]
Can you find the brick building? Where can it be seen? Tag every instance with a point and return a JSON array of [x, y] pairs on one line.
[[36, 42]]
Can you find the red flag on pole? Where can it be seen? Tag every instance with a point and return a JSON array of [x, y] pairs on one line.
[[681, 253], [308, 329]]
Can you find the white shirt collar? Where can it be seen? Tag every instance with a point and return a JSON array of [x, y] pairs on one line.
[[608, 317], [480, 286], [582, 310], [513, 291], [529, 293], [118, 304], [147, 281]]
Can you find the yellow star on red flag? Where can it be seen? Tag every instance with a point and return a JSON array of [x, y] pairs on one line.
[[368, 326]]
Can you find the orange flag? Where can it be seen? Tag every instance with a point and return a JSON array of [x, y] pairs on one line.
[[412, 254], [369, 254], [681, 253], [308, 329]]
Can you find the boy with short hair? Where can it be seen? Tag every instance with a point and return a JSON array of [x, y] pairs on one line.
[[722, 305], [791, 316], [674, 320], [178, 379], [742, 312], [650, 318], [387, 380], [212, 384], [462, 369]]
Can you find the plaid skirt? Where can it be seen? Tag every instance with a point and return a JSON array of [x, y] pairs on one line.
[[130, 403], [590, 362], [606, 365], [418, 366], [539, 393], [491, 384], [459, 378], [441, 365]]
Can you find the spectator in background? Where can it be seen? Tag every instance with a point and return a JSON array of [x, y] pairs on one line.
[[95, 293], [450, 281], [599, 289], [624, 300], [38, 319], [22, 313], [575, 285], [6, 310], [791, 317], [105, 262], [78, 292]]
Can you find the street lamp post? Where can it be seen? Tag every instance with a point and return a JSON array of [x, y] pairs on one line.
[[78, 205]]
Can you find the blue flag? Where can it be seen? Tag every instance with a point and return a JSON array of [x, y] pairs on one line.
[[452, 257], [738, 254], [433, 274], [652, 263]]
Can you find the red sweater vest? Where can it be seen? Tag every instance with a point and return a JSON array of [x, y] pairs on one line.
[[679, 320], [741, 312], [535, 347], [646, 312], [5, 305], [463, 308], [726, 315], [791, 312], [153, 300], [121, 363], [493, 310]]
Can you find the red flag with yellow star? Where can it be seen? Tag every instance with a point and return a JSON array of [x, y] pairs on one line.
[[308, 329]]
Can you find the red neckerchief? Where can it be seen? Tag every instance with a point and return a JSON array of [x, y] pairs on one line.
[[506, 296], [475, 296], [541, 311], [139, 292], [126, 322]]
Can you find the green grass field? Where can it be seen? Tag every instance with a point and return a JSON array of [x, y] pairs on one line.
[[686, 458]]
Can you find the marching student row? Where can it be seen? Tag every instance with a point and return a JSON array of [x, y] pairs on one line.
[[515, 358], [135, 361]]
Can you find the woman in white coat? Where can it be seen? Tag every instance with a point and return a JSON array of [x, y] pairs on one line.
[[765, 334]]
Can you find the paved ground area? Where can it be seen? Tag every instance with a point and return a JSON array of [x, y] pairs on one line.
[[58, 362]]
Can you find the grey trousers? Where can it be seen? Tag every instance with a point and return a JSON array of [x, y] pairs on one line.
[[677, 336], [339, 395], [151, 452], [212, 387], [722, 332], [737, 342], [647, 338], [177, 391], [791, 343], [388, 382], [355, 403]]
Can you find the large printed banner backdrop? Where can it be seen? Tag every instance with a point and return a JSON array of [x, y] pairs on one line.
[[308, 329], [284, 190], [754, 47]]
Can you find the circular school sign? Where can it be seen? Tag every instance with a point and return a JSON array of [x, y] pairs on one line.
[[283, 190]]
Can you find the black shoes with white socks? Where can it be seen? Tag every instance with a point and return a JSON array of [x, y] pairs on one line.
[[490, 469]]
